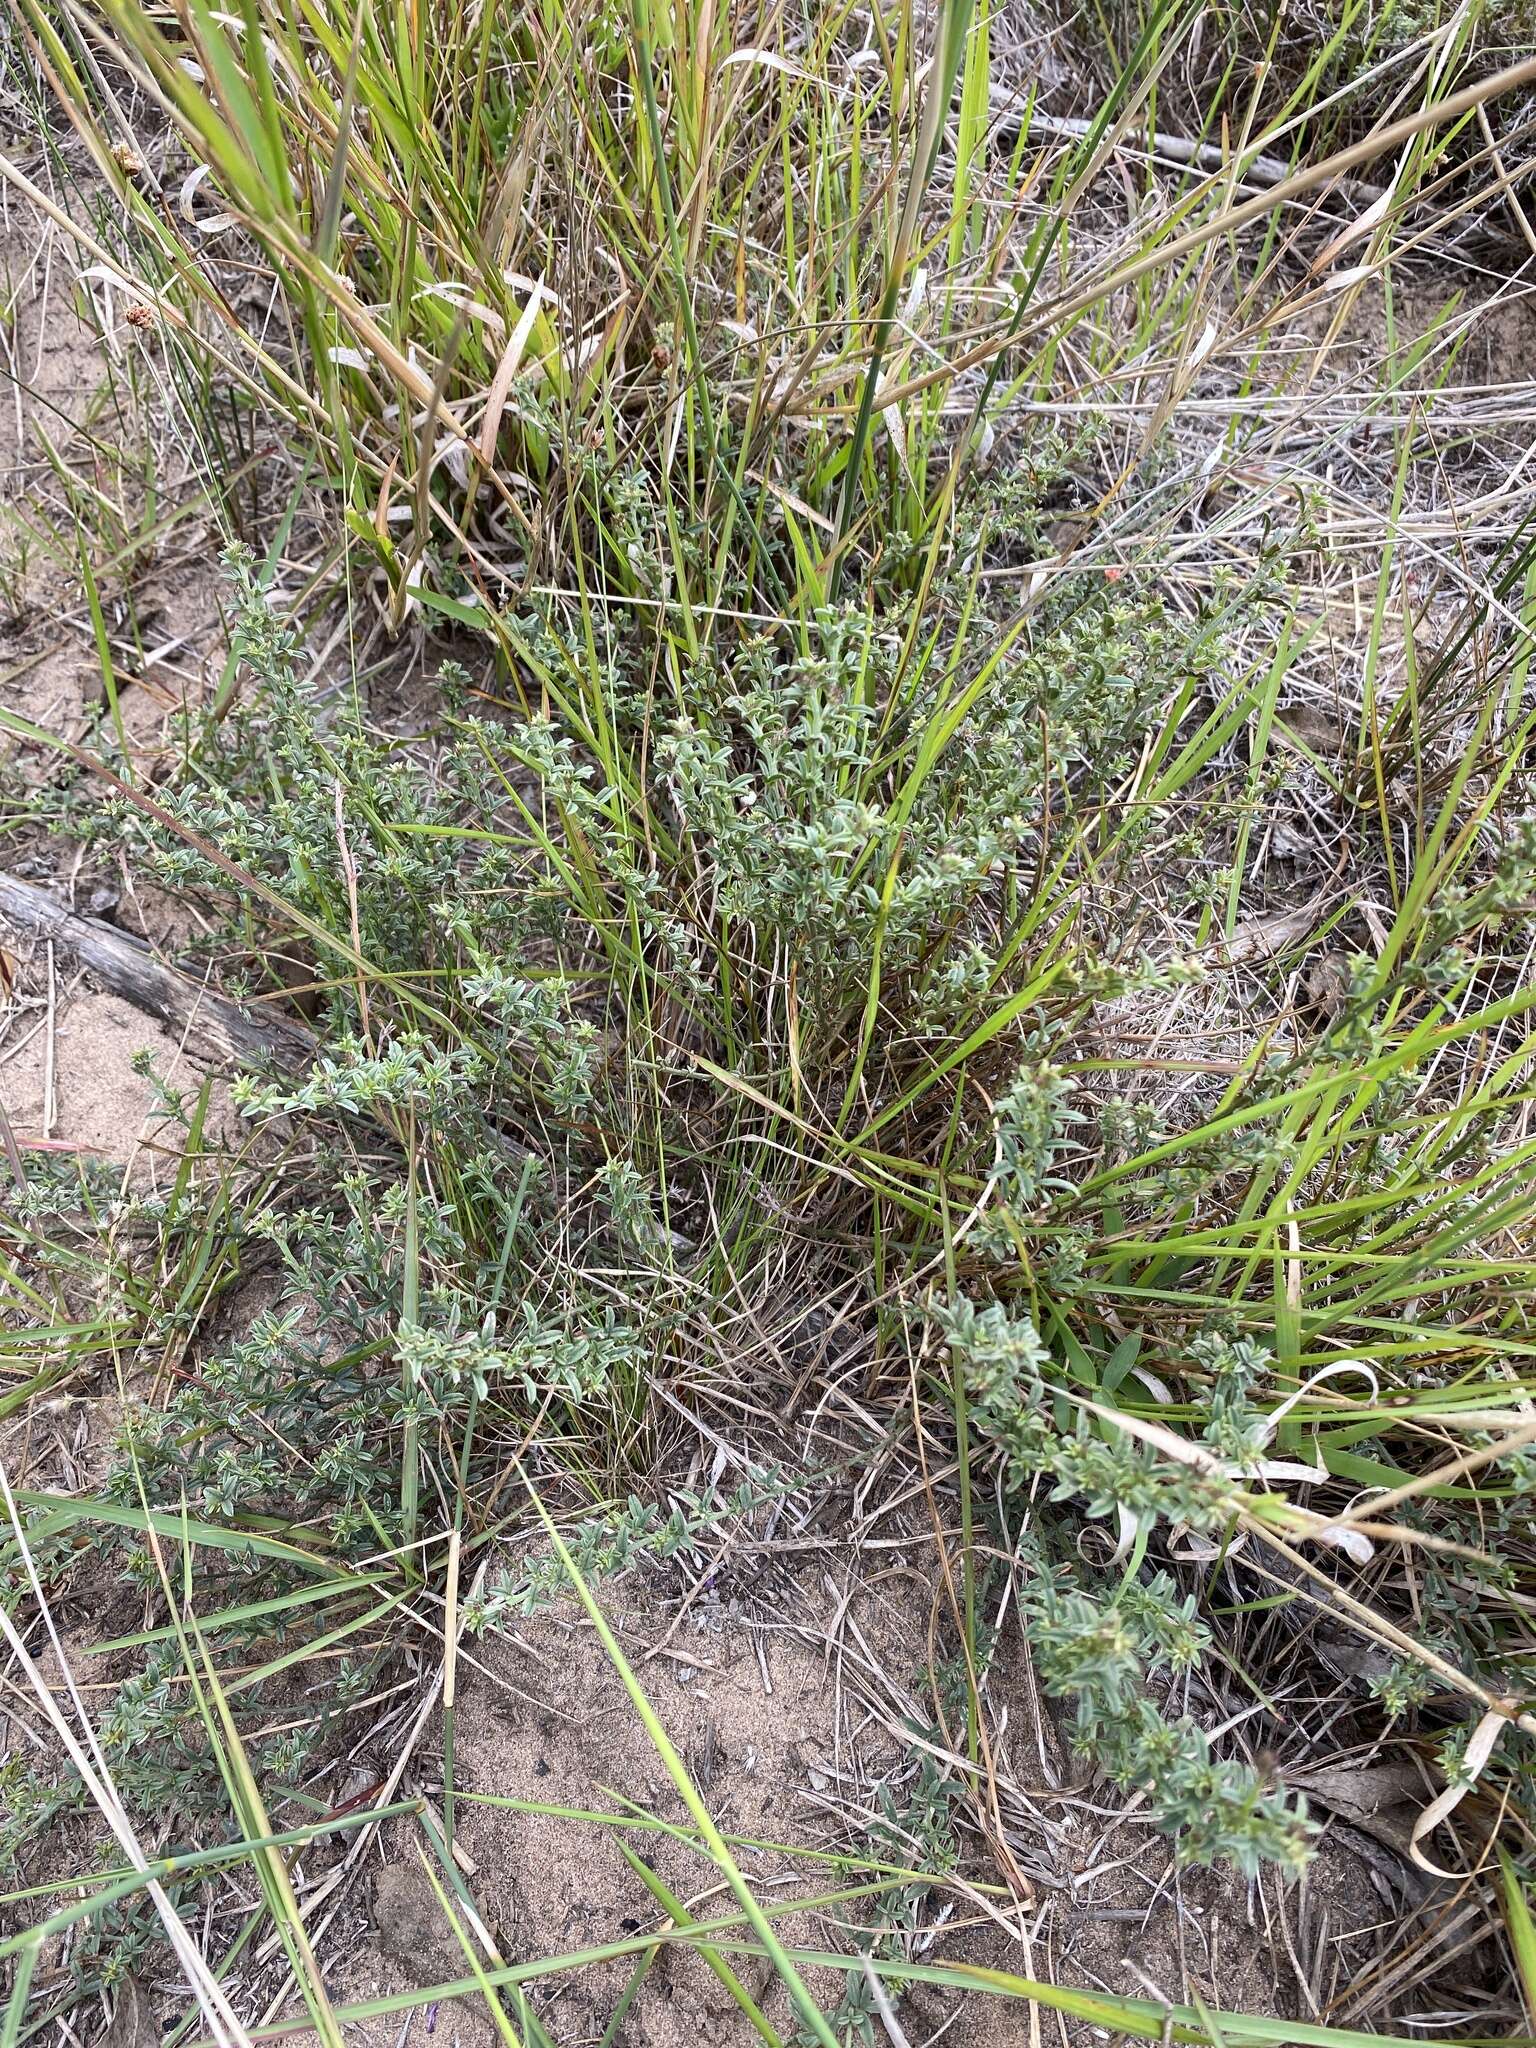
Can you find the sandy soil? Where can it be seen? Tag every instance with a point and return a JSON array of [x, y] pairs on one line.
[[70, 408], [794, 1713]]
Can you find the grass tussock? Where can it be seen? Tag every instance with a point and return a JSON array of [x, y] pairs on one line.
[[947, 873]]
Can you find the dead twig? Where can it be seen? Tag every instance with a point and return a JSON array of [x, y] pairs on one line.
[[211, 1026]]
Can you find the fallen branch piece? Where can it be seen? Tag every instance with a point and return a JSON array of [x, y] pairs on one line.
[[210, 1026], [1260, 172]]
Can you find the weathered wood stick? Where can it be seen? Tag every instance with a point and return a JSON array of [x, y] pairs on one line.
[[211, 1027], [1263, 172]]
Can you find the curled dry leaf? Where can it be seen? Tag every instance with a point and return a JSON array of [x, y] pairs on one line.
[[207, 224], [1484, 1738]]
